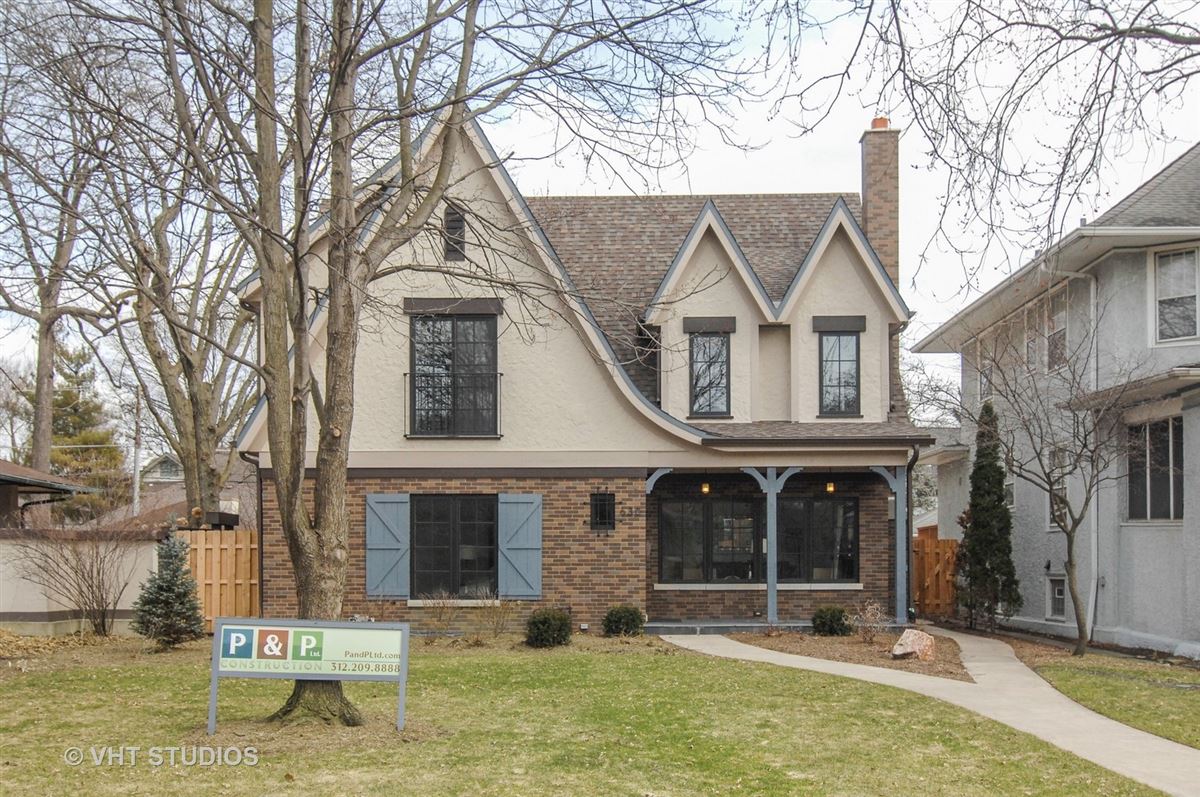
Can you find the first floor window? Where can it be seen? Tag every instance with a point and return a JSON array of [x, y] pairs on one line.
[[454, 545], [1058, 597], [604, 511], [839, 373], [710, 373], [1175, 288], [1156, 470], [711, 540], [818, 539], [454, 375]]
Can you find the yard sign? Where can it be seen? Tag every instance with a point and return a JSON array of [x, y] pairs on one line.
[[308, 650]]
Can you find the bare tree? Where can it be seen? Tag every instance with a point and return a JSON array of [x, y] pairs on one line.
[[86, 571], [370, 104], [980, 80], [1060, 415]]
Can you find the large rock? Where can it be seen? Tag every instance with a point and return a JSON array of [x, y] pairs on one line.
[[913, 643]]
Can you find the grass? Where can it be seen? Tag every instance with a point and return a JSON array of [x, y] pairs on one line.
[[1158, 697], [599, 717]]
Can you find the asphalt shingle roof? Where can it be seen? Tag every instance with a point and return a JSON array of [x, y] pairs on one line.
[[1170, 198]]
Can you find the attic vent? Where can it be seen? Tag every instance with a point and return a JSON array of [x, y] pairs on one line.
[[454, 233]]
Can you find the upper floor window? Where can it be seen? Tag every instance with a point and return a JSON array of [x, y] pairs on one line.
[[1175, 289], [1057, 499], [454, 233], [710, 373], [985, 361], [1156, 470], [1056, 331], [839, 373], [454, 378]]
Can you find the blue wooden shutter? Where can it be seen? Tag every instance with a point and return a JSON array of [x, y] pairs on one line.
[[520, 531], [388, 545]]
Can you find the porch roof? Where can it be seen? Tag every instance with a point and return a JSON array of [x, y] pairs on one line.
[[797, 434]]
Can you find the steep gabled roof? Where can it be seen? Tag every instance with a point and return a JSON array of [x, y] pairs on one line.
[[1170, 198]]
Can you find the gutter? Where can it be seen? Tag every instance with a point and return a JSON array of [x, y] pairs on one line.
[[809, 442]]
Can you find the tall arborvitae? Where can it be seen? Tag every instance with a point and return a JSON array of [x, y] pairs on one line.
[[987, 577]]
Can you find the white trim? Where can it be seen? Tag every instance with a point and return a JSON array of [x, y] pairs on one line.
[[1050, 579], [1152, 254], [814, 587]]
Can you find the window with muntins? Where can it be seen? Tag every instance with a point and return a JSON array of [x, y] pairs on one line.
[[454, 545], [1058, 597], [818, 539], [711, 540], [839, 373], [454, 234], [1056, 331], [1175, 289], [1156, 470], [604, 511], [1060, 468], [454, 380], [710, 373]]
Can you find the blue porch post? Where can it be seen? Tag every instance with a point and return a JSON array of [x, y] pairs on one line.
[[771, 484], [897, 479]]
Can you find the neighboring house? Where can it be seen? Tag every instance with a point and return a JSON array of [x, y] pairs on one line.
[[1135, 268], [701, 385], [163, 469], [164, 504]]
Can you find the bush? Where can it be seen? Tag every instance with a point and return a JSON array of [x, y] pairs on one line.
[[870, 620], [167, 610], [624, 621], [831, 621], [547, 628]]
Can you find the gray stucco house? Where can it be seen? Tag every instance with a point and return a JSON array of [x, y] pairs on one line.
[[1135, 273]]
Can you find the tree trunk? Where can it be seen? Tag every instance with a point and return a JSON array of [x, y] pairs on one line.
[[1076, 600]]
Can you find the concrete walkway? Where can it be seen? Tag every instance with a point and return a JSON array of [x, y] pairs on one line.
[[1008, 691]]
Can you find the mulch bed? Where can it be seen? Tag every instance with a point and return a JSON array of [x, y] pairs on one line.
[[946, 663]]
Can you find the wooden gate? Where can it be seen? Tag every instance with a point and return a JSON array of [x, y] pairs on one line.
[[225, 566], [933, 576]]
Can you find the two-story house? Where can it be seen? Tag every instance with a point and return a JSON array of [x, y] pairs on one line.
[[1122, 292], [691, 404]]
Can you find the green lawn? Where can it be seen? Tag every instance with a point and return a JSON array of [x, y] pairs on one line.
[[1160, 698], [598, 717]]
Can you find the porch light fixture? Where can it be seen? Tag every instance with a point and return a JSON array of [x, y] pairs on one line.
[[704, 488], [830, 487]]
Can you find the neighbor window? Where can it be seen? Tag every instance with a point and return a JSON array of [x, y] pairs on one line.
[[604, 511], [1175, 294], [1156, 470], [818, 539], [839, 373], [1031, 337], [1058, 598], [1010, 493], [454, 379], [985, 375], [454, 234], [1060, 468], [454, 544], [711, 540], [710, 373], [1056, 331]]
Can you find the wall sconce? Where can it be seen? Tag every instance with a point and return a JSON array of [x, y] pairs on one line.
[[830, 487], [704, 488]]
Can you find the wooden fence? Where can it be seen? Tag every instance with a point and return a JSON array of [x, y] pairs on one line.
[[933, 576], [225, 566]]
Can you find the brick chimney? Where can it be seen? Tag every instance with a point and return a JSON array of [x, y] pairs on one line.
[[881, 222], [881, 193]]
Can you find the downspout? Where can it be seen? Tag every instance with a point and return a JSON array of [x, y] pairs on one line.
[[1094, 581], [252, 459]]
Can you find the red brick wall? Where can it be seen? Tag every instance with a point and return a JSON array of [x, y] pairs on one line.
[[876, 562], [581, 569]]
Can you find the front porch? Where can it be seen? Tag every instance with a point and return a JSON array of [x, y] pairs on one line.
[[745, 549]]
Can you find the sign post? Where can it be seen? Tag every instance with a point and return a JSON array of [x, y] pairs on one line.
[[311, 650]]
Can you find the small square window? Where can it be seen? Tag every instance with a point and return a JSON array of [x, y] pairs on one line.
[[604, 511]]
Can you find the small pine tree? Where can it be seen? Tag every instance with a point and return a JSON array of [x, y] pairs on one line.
[[987, 578], [167, 610]]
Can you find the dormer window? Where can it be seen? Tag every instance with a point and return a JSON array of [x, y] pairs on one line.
[[840, 372], [454, 233], [709, 358]]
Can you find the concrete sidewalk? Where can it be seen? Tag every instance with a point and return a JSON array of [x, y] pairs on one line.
[[1007, 691]]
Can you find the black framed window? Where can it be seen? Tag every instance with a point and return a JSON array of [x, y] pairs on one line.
[[818, 539], [454, 380], [1156, 470], [711, 540], [710, 373], [454, 233], [604, 511], [454, 544], [839, 373]]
